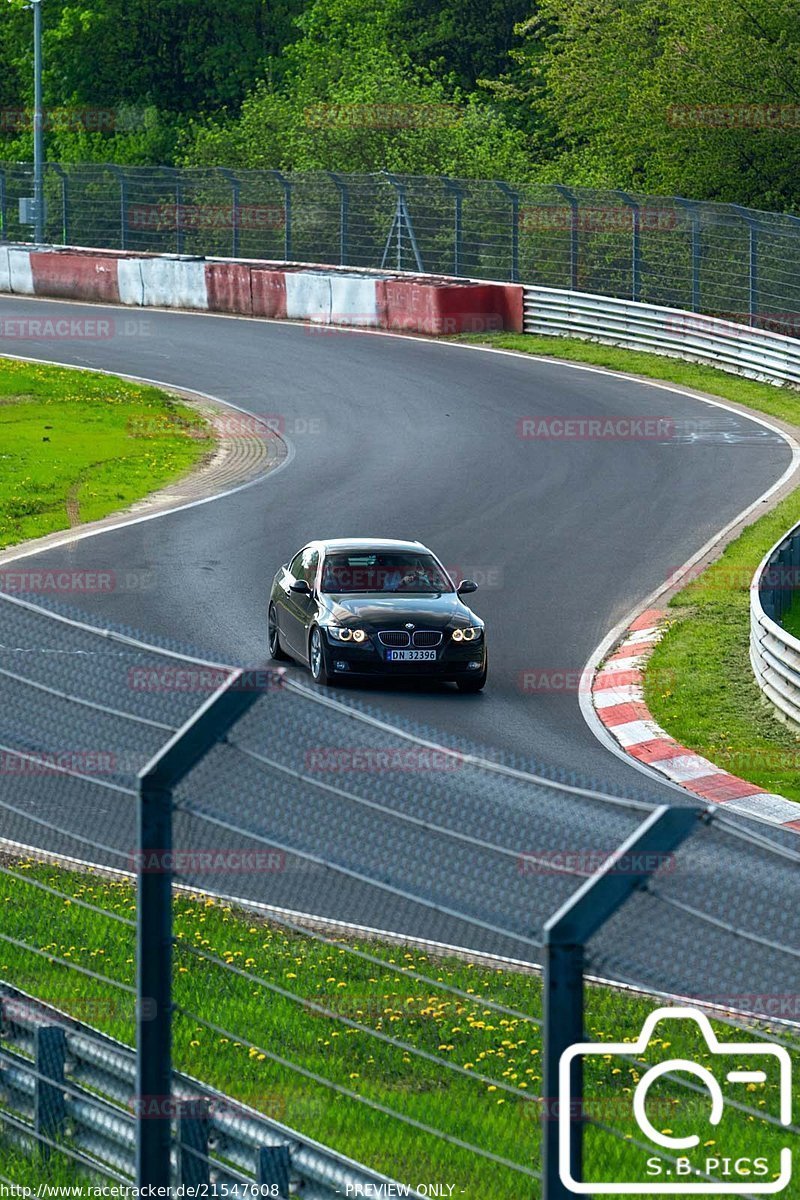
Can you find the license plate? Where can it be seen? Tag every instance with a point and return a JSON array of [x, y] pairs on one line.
[[411, 655]]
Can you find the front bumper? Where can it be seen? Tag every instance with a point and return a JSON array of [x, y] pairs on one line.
[[454, 660]]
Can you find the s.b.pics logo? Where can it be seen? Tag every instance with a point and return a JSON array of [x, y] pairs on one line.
[[705, 1117]]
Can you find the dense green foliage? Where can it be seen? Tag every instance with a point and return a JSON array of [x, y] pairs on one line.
[[626, 93]]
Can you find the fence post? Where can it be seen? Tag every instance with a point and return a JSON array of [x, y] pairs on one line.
[[3, 220], [513, 197], [180, 236], [154, 921], [565, 937], [636, 241], [573, 202], [287, 212], [691, 207], [123, 203], [62, 174], [236, 191], [752, 261], [344, 216], [457, 192], [272, 1168], [193, 1165], [49, 1109]]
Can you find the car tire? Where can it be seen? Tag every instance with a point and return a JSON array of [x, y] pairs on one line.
[[316, 659], [276, 651], [473, 684]]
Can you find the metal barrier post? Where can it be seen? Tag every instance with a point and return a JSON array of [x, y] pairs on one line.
[[49, 1109], [180, 237], [62, 174], [3, 220], [344, 216], [752, 261], [236, 190], [193, 1168], [565, 936], [513, 197], [272, 1168], [457, 192], [123, 203], [573, 202], [691, 207], [154, 921], [287, 213], [636, 241]]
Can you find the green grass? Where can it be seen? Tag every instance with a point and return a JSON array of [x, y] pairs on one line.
[[254, 1022], [714, 706], [76, 446]]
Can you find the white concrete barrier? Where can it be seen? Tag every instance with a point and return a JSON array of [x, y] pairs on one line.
[[308, 296], [15, 271], [129, 281], [354, 300], [171, 283]]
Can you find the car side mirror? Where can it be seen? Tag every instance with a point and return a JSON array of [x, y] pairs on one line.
[[300, 587], [466, 586]]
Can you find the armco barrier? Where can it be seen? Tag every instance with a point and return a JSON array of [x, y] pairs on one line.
[[757, 353], [774, 652], [321, 294], [233, 1146]]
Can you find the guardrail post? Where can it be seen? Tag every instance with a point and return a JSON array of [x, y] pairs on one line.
[[49, 1109], [513, 197], [193, 1167], [287, 213], [236, 191], [565, 937], [344, 216], [273, 1164], [691, 207], [62, 174], [636, 241], [573, 202], [123, 203], [457, 192], [154, 921]]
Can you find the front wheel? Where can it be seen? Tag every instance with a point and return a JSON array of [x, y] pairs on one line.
[[274, 637], [473, 683], [316, 658]]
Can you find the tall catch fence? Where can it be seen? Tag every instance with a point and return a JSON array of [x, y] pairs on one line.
[[341, 931], [721, 259]]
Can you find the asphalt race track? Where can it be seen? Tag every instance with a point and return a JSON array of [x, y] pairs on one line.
[[405, 438]]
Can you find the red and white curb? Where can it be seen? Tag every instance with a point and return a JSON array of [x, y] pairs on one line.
[[618, 700]]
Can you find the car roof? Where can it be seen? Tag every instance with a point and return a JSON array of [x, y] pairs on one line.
[[371, 544]]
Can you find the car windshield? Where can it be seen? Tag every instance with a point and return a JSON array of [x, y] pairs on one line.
[[403, 571]]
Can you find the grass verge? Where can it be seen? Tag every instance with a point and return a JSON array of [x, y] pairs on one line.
[[714, 706], [76, 446], [245, 1022]]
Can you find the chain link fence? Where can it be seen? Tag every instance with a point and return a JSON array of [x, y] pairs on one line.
[[357, 932], [720, 259]]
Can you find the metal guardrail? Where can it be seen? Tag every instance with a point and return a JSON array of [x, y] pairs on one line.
[[774, 652], [58, 1076], [757, 353]]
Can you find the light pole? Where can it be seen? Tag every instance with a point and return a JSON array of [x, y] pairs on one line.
[[38, 123]]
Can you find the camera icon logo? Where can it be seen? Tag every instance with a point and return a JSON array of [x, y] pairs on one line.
[[717, 1176]]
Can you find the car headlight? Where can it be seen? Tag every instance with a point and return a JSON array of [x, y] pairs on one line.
[[471, 634], [342, 633]]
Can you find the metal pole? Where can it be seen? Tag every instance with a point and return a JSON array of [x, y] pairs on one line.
[[752, 262], [123, 203], [62, 175], [636, 242], [38, 124], [344, 216], [236, 187], [565, 937], [458, 230], [154, 919], [572, 200], [3, 221], [513, 196], [691, 208]]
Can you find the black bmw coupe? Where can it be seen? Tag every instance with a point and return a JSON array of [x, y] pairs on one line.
[[356, 607]]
